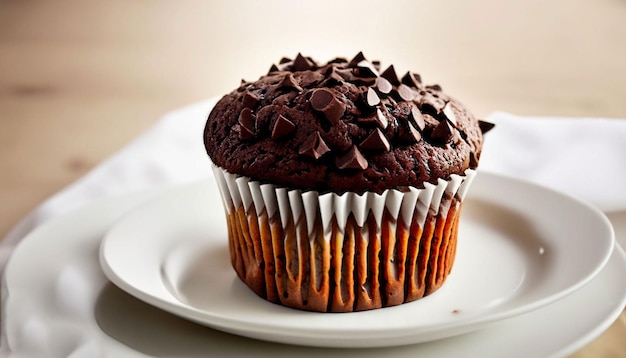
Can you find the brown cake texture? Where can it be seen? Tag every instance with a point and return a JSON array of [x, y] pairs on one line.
[[345, 126]]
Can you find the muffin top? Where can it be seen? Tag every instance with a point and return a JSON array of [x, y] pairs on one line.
[[342, 126]]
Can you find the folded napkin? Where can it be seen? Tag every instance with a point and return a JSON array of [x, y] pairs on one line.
[[584, 157]]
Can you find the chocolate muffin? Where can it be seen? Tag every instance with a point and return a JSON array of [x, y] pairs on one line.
[[342, 183]]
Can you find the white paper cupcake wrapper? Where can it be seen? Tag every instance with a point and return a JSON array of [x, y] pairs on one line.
[[290, 204]]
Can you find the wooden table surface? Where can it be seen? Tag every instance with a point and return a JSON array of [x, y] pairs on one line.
[[80, 79]]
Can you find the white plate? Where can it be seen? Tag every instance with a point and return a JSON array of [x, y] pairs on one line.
[[58, 303], [521, 247]]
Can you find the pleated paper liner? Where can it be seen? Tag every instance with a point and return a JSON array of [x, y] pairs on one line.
[[342, 253]]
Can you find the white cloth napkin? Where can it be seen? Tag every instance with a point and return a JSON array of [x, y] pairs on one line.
[[584, 157]]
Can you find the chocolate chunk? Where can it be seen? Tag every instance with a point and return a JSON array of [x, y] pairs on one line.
[[274, 68], [321, 98], [353, 75], [383, 85], [333, 78], [449, 113], [391, 76], [247, 121], [431, 122], [353, 159], [347, 74], [284, 60], [434, 87], [314, 146], [289, 82], [372, 97], [358, 58], [376, 141], [485, 126], [250, 100], [474, 157], [382, 120], [366, 69], [406, 93], [285, 66], [407, 134], [443, 132], [324, 101], [428, 101], [412, 79], [418, 118], [282, 127], [376, 64], [302, 63]]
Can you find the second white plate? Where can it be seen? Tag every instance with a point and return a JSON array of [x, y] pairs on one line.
[[521, 247]]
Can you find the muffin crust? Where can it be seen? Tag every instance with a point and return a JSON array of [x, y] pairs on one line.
[[341, 126]]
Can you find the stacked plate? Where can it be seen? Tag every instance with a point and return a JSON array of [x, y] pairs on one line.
[[531, 263]]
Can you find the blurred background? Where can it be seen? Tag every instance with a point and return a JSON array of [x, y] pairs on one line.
[[80, 79]]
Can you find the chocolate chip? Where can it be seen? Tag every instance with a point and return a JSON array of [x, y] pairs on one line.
[[428, 101], [408, 134], [412, 79], [485, 126], [282, 127], [302, 63], [431, 122], [449, 113], [324, 101], [434, 87], [250, 100], [247, 121], [376, 64], [406, 93], [366, 69], [347, 74], [382, 120], [332, 78], [321, 98], [391, 76], [418, 118], [289, 82], [284, 60], [353, 159], [274, 68], [383, 85], [443, 132], [376, 141], [372, 97], [358, 58], [473, 159], [286, 66], [314, 146]]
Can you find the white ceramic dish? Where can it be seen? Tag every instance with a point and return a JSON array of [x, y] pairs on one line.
[[57, 302], [521, 247]]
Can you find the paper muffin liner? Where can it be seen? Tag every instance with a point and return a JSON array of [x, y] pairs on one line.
[[342, 253]]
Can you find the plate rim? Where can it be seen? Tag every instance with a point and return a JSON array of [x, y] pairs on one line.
[[398, 335], [21, 278]]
